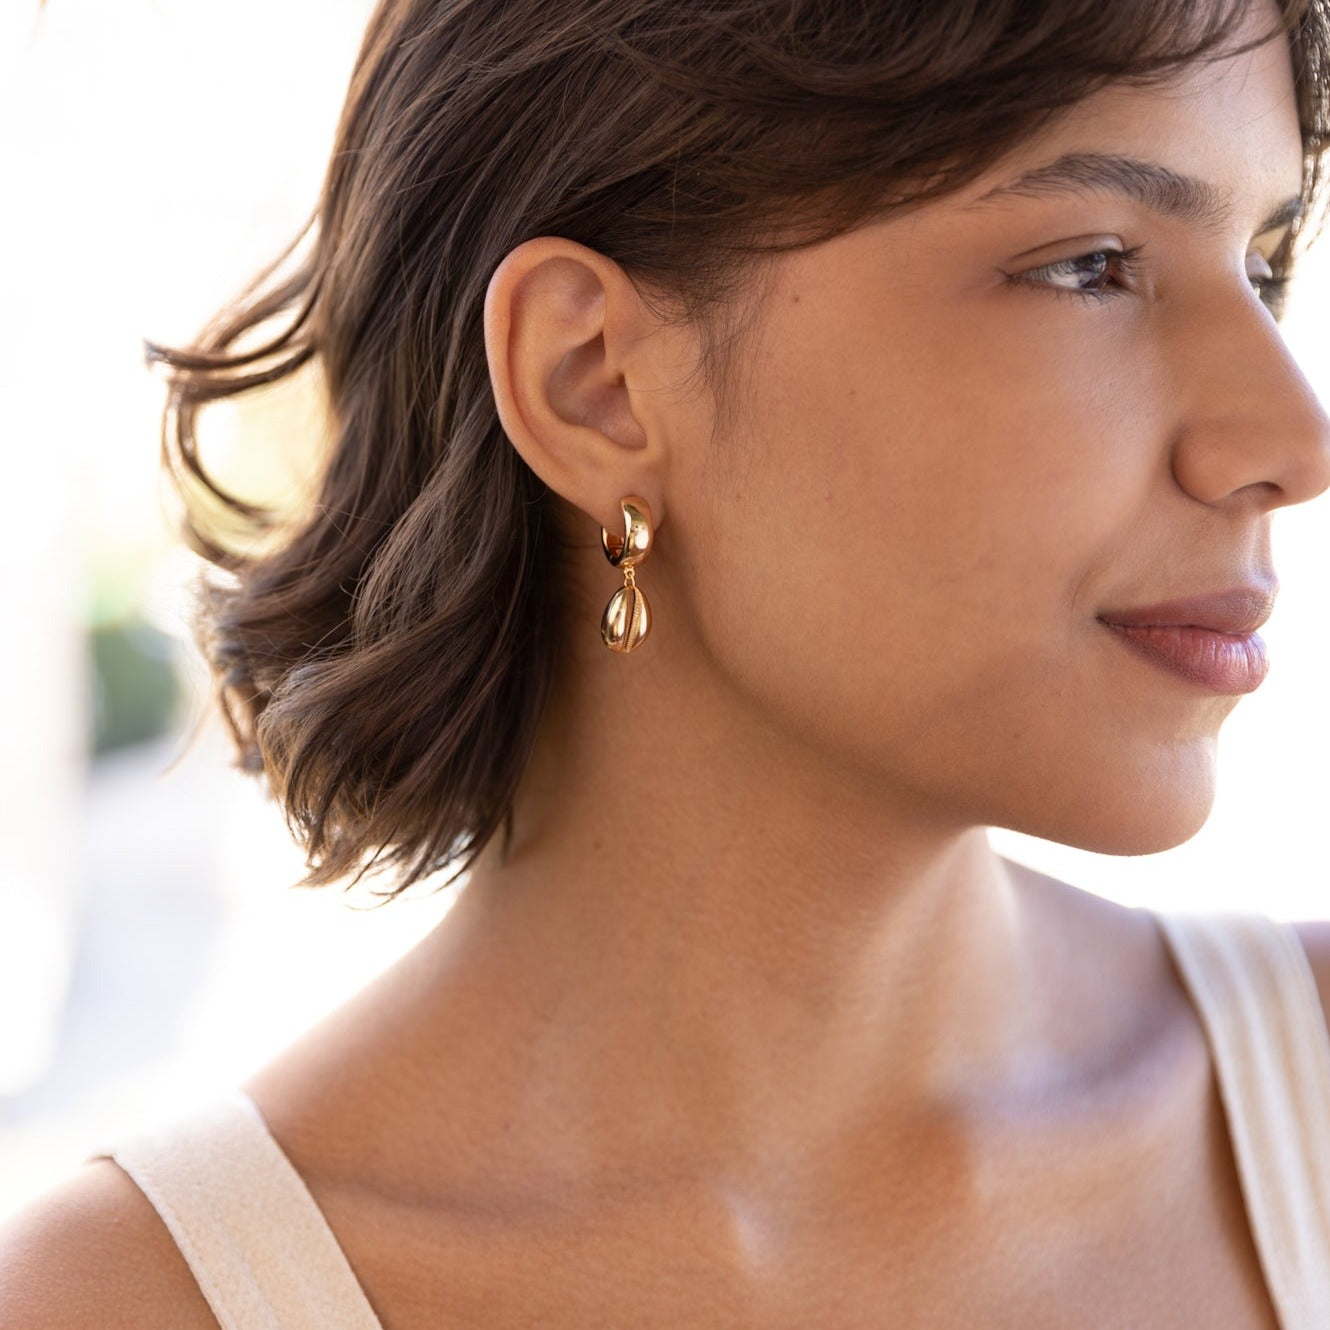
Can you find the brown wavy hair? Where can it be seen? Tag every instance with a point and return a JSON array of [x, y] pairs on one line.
[[384, 656]]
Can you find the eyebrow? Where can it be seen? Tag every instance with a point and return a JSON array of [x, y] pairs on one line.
[[1157, 187]]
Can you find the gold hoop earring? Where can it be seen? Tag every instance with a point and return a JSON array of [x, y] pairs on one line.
[[627, 618]]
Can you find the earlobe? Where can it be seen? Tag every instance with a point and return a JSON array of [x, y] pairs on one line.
[[561, 325]]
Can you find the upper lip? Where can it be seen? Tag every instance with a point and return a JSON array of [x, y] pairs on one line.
[[1238, 611]]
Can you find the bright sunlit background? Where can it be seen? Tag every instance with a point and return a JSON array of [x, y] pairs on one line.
[[154, 153]]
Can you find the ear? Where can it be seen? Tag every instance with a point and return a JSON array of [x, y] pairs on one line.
[[572, 366]]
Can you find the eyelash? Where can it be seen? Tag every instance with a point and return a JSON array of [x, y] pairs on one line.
[[1123, 266]]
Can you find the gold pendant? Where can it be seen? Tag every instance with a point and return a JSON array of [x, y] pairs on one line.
[[627, 618]]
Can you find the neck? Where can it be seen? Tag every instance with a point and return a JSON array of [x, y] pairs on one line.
[[726, 932]]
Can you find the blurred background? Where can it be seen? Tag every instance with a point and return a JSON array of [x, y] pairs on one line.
[[154, 154]]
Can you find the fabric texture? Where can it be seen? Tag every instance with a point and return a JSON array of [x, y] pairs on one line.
[[255, 1239], [265, 1258], [1254, 989]]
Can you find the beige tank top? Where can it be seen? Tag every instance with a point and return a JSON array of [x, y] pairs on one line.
[[265, 1257]]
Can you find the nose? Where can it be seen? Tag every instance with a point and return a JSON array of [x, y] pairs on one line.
[[1253, 425]]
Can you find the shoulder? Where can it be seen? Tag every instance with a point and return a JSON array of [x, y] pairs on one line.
[[1315, 937], [93, 1253]]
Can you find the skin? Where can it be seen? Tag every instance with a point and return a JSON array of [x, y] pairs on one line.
[[783, 1041]]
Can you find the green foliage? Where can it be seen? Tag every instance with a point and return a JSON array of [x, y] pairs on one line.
[[134, 681]]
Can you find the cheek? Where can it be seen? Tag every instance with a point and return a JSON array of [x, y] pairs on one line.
[[943, 470], [911, 544]]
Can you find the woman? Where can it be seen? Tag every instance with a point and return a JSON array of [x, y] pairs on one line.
[[917, 364]]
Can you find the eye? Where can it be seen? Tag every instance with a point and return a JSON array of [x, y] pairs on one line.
[[1103, 273], [1268, 287], [1099, 273]]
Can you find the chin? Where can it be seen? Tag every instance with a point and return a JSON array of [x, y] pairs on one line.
[[1142, 812]]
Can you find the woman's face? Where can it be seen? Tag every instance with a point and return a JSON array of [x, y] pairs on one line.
[[972, 435]]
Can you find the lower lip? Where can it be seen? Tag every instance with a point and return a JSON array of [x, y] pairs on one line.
[[1219, 662]]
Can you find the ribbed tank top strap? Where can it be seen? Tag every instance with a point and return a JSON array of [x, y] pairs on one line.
[[1256, 995], [254, 1238]]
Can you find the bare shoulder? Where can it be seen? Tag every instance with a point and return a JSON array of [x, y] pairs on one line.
[[1315, 935], [93, 1253]]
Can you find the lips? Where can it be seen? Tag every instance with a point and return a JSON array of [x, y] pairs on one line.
[[1209, 641], [1240, 611]]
